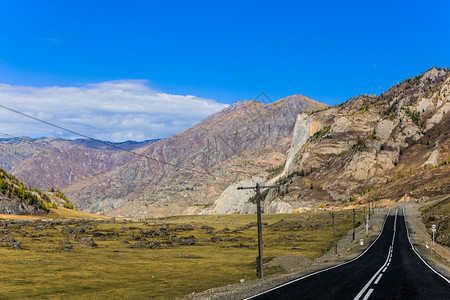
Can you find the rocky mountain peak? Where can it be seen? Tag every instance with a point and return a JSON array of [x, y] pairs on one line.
[[433, 73], [235, 106]]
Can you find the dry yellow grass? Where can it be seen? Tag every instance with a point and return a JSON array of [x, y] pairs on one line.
[[42, 270], [61, 212]]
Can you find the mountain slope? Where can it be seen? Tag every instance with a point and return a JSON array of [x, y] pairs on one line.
[[17, 199], [208, 157], [56, 163], [371, 148]]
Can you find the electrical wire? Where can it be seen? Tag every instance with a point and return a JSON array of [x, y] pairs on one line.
[[102, 142]]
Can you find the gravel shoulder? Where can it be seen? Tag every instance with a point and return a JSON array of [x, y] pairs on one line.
[[297, 266], [437, 256]]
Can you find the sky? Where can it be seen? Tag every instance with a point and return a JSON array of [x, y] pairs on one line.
[[137, 70]]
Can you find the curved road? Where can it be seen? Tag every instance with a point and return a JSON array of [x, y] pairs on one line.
[[389, 269]]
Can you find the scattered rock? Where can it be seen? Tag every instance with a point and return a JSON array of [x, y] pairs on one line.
[[154, 245], [16, 245], [138, 244], [67, 248], [87, 241], [9, 239], [189, 256], [188, 241], [215, 239]]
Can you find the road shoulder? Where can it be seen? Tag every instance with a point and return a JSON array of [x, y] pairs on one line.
[[437, 256]]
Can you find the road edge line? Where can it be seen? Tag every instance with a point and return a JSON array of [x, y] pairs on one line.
[[412, 246], [387, 262], [329, 268]]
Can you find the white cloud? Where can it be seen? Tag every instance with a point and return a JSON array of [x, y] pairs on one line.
[[114, 110]]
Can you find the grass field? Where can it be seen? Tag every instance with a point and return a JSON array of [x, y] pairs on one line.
[[161, 264]]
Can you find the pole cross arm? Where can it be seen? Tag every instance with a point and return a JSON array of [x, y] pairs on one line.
[[261, 187]]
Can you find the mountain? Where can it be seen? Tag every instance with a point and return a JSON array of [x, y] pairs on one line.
[[370, 148], [17, 199], [56, 163], [387, 147], [102, 145], [242, 140]]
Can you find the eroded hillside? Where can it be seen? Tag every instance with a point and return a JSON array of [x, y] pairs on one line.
[[371, 148], [240, 141]]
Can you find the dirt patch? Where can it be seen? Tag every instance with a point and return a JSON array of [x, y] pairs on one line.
[[289, 262]]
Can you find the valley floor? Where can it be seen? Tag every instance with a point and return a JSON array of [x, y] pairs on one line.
[[163, 258], [181, 256]]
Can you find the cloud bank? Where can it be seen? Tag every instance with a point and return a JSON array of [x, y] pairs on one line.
[[113, 110]]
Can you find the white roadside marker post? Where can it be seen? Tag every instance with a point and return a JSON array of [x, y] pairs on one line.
[[433, 230], [367, 224]]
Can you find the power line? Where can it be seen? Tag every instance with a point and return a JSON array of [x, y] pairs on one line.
[[99, 141]]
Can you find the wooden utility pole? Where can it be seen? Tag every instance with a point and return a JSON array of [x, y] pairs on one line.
[[334, 235], [353, 224], [259, 259]]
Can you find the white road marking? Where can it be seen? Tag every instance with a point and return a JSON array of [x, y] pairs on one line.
[[368, 294], [384, 270], [379, 270], [378, 279], [320, 271]]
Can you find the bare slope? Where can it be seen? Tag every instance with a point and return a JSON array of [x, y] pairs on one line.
[[371, 148], [53, 162], [237, 142]]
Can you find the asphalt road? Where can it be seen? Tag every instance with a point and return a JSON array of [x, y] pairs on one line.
[[389, 269]]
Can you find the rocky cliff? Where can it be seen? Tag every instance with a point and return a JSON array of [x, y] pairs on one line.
[[391, 146]]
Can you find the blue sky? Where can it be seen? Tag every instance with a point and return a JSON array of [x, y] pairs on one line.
[[224, 51]]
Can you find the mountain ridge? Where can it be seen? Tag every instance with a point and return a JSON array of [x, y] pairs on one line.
[[204, 146], [352, 152]]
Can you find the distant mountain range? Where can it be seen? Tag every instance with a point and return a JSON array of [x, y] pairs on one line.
[[241, 140], [56, 163], [390, 146]]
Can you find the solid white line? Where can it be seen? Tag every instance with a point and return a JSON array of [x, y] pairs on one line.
[[407, 233], [368, 294], [378, 279], [363, 290], [320, 271]]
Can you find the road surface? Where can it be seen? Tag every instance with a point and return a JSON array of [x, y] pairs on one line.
[[389, 269]]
